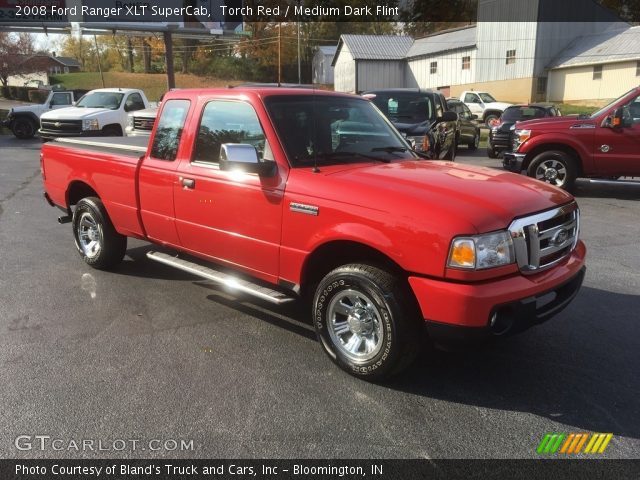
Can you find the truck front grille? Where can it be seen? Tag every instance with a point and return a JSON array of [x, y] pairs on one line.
[[62, 126], [544, 239], [142, 123]]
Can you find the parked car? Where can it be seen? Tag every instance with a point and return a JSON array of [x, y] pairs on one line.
[[501, 131], [24, 120], [140, 123], [484, 105], [100, 112], [603, 145], [422, 117], [468, 129], [262, 195]]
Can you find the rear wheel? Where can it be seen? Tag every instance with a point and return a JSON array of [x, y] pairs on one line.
[[489, 119], [366, 321], [97, 241], [555, 167], [23, 128], [491, 153]]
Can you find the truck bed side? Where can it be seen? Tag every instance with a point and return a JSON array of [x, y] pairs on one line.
[[108, 166]]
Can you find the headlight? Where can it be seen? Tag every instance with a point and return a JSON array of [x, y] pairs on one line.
[[130, 121], [90, 124], [482, 251], [520, 136], [421, 143]]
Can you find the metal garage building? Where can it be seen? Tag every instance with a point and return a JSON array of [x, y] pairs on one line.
[[501, 54]]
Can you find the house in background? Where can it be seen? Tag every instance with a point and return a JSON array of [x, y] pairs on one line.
[[503, 55], [596, 67], [35, 69], [322, 70]]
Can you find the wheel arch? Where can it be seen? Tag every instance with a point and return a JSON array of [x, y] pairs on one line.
[[490, 112], [332, 254], [29, 116], [77, 190], [545, 147], [114, 126]]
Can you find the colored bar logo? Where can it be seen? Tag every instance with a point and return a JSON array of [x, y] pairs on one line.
[[573, 443]]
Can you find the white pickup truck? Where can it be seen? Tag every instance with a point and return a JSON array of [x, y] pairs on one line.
[[482, 104], [101, 112], [24, 120]]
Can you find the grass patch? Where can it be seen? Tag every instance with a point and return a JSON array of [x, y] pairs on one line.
[[153, 84], [568, 109]]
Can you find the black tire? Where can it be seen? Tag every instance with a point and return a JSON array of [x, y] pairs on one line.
[[555, 167], [97, 241], [385, 306], [451, 154], [111, 131], [473, 144], [491, 153], [490, 118], [23, 128]]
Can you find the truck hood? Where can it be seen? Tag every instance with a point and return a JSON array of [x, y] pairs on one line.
[[26, 108], [487, 198], [496, 106], [74, 113], [553, 122]]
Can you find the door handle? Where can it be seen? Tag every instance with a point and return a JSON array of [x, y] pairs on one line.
[[188, 183]]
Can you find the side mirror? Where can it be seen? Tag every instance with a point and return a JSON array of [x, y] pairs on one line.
[[243, 157], [617, 118], [448, 116]]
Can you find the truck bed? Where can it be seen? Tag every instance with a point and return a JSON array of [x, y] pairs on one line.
[[108, 165]]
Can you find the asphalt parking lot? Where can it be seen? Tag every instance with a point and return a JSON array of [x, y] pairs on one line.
[[147, 352]]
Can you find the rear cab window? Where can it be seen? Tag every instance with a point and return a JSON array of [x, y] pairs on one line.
[[169, 130]]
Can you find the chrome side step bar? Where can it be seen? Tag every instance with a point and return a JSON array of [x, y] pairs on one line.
[[233, 284], [600, 181]]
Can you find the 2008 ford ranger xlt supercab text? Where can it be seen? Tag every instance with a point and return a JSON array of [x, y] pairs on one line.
[[289, 194]]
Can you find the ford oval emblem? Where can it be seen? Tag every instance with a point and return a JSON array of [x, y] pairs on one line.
[[559, 237]]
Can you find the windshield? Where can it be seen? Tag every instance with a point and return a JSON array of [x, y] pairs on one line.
[[514, 114], [486, 98], [110, 100], [608, 106], [405, 107], [330, 130]]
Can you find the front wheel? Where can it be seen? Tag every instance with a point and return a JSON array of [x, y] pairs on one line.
[[489, 119], [554, 167], [98, 243], [366, 321], [23, 128]]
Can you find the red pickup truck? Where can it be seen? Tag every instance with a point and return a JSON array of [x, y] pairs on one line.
[[289, 194], [557, 150]]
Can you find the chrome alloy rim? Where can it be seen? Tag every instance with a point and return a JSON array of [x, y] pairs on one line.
[[355, 325], [89, 235], [476, 141], [552, 171]]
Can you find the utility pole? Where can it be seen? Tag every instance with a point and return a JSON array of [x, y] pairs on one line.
[[95, 40], [299, 72], [279, 53], [168, 49]]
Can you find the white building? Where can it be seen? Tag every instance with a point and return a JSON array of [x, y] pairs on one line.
[[322, 70], [501, 54]]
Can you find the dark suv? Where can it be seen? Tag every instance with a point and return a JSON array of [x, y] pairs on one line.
[[500, 132], [422, 117]]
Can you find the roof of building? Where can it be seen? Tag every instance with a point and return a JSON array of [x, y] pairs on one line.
[[606, 47], [464, 37], [328, 49], [375, 47], [67, 61]]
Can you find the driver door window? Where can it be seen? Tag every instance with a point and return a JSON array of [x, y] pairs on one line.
[[134, 102]]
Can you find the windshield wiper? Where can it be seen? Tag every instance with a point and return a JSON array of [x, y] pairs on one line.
[[336, 155], [389, 149]]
